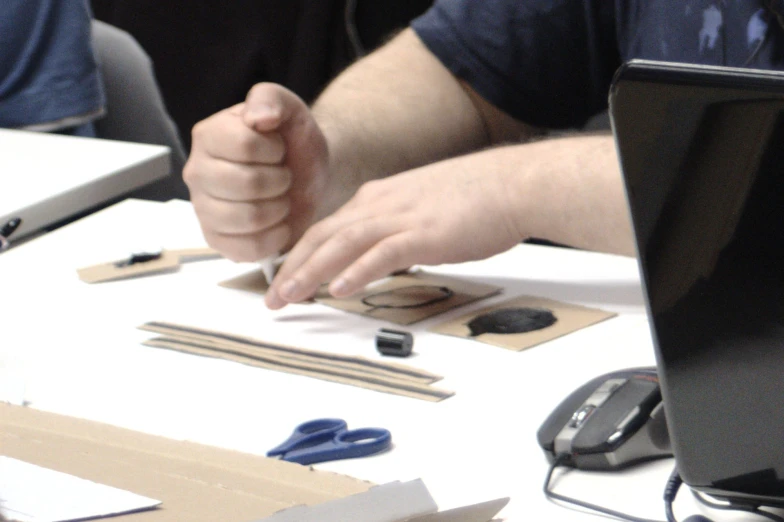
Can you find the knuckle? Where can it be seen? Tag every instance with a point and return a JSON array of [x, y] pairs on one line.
[[275, 147], [367, 190], [248, 181], [350, 235], [198, 131], [273, 212], [388, 252], [278, 182], [190, 172], [247, 143], [245, 250]]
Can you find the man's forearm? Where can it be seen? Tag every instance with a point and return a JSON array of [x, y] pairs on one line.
[[572, 192], [392, 111], [567, 190]]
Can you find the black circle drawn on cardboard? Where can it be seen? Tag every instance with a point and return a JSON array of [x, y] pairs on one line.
[[512, 321], [407, 297]]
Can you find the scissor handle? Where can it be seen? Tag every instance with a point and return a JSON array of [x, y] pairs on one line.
[[309, 433], [344, 445]]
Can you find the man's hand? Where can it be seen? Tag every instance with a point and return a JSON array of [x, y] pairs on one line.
[[441, 213], [255, 173]]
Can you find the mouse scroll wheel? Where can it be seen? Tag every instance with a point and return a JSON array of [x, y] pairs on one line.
[[579, 417]]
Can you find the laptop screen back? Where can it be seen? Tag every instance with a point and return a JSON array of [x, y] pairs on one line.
[[702, 154]]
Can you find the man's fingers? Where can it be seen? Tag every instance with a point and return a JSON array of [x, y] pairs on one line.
[[249, 247], [238, 218], [236, 181], [322, 253], [384, 258], [226, 137]]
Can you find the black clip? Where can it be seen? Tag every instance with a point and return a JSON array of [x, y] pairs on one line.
[[135, 259]]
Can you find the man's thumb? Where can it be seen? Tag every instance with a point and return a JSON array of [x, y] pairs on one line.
[[268, 106]]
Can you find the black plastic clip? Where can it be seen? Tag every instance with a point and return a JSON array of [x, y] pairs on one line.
[[135, 259]]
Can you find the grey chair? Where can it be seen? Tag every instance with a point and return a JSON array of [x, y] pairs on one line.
[[135, 110]]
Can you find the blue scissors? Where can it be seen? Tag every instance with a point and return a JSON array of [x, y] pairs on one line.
[[321, 440]]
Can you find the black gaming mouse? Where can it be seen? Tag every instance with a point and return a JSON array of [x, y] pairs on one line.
[[611, 422]]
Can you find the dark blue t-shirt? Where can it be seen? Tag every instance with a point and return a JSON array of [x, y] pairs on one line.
[[47, 68], [550, 62]]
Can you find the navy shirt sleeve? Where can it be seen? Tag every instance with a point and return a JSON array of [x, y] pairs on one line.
[[548, 63], [48, 72]]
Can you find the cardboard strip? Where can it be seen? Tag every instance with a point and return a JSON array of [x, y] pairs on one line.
[[407, 389], [400, 371], [240, 350], [314, 363], [169, 261], [196, 254], [113, 271]]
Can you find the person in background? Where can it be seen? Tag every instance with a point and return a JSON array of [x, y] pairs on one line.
[[49, 79], [427, 151]]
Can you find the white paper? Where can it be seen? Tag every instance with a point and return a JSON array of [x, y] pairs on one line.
[[30, 493], [482, 512], [267, 266], [390, 502]]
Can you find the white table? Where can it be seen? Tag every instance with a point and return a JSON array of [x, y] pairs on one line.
[[74, 349], [49, 177]]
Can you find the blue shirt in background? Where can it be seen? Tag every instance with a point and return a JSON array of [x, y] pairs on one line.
[[550, 63], [49, 79]]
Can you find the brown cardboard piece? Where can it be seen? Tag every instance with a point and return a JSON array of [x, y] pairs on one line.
[[403, 299], [254, 281], [570, 318], [169, 261], [257, 280], [195, 483]]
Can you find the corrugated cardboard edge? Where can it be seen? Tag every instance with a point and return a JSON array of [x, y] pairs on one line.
[[195, 482]]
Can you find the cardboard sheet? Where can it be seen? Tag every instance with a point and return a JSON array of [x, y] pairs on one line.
[[411, 297], [195, 483], [568, 318]]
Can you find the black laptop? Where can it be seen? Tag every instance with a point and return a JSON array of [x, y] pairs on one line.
[[702, 154]]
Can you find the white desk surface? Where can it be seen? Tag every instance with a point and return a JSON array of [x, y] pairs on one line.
[[49, 177], [73, 348]]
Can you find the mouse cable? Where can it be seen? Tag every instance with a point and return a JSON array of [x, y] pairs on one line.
[[729, 506], [552, 495]]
